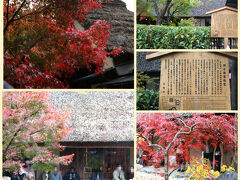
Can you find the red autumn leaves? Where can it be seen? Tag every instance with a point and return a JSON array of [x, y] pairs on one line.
[[161, 129], [33, 128], [42, 47]]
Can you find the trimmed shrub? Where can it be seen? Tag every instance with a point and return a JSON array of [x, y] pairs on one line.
[[147, 100], [188, 22], [170, 37]]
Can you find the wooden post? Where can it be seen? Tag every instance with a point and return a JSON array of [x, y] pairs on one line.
[[234, 84], [225, 42]]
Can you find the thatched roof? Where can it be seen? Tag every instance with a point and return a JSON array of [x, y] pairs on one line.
[[98, 116], [116, 13]]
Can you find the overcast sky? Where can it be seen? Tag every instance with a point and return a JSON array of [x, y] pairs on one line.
[[130, 4]]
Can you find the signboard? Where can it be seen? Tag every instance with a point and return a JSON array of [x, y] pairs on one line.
[[194, 81], [224, 22]]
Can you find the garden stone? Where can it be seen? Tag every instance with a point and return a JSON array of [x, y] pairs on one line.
[[229, 175]]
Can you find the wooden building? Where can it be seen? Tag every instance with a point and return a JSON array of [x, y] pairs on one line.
[[102, 131], [199, 12], [192, 80]]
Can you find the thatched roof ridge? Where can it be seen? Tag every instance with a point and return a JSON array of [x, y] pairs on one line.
[[98, 116], [116, 13]]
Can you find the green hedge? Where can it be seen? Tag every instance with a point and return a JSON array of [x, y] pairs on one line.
[[171, 37], [147, 100]]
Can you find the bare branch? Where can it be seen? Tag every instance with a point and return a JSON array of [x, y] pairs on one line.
[[152, 145], [169, 174], [181, 133], [173, 140]]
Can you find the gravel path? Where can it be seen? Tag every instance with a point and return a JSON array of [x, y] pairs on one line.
[[151, 173]]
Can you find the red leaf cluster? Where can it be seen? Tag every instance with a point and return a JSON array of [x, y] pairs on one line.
[[42, 46], [161, 129]]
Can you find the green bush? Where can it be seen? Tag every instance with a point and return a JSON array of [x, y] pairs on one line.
[[147, 100], [170, 37], [188, 22]]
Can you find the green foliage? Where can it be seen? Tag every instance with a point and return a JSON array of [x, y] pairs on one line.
[[94, 164], [175, 9], [147, 100], [141, 80], [43, 166], [169, 37], [182, 7], [188, 22], [144, 7]]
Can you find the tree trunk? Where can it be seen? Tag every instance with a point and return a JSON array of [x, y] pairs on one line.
[[166, 165], [214, 159], [169, 16], [222, 154], [160, 14], [156, 11]]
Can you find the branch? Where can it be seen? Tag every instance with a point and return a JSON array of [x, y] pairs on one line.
[[180, 132], [9, 144], [14, 15], [7, 9], [173, 171], [37, 131], [156, 7], [16, 133], [175, 137], [176, 9], [150, 143], [170, 6], [32, 13]]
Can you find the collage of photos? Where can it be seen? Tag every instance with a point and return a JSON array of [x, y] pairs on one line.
[[120, 90]]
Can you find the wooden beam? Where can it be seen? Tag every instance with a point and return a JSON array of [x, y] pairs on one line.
[[157, 54], [233, 55], [222, 8], [129, 144]]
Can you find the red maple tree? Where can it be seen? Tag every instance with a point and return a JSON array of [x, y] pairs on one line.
[[161, 134], [32, 128], [42, 47]]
